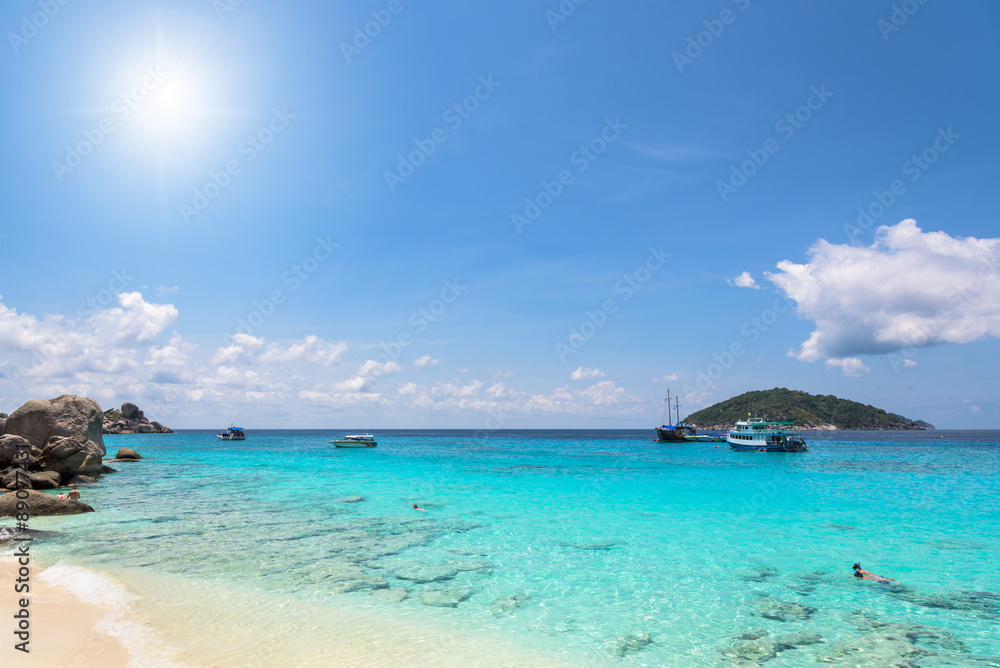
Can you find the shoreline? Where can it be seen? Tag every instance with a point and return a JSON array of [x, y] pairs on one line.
[[83, 618], [65, 629]]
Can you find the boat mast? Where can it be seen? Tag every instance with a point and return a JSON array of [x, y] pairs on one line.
[[668, 403], [678, 407]]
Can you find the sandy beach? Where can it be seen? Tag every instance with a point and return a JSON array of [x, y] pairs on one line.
[[79, 618], [63, 627]]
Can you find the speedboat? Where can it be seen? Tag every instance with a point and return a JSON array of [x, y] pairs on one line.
[[763, 436], [356, 441], [706, 437], [234, 433]]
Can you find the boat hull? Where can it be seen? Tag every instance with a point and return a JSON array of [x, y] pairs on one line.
[[756, 434], [706, 438], [743, 447], [669, 435], [352, 444]]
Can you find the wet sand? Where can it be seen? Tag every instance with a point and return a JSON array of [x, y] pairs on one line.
[[62, 626]]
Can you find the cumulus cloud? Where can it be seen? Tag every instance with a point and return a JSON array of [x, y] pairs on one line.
[[849, 366], [426, 360], [311, 349], [244, 348], [601, 399], [744, 280], [105, 341], [128, 352], [248, 349], [352, 399], [583, 373], [496, 390], [369, 372], [137, 320], [669, 378], [907, 290]]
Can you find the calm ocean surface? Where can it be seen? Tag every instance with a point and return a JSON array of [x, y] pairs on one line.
[[572, 547]]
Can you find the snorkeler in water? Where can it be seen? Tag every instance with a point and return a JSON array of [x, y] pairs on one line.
[[862, 574]]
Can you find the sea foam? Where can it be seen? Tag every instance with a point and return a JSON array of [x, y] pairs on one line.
[[145, 649]]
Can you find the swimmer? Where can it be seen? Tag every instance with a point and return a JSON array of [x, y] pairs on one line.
[[416, 507], [862, 574], [74, 494], [857, 569]]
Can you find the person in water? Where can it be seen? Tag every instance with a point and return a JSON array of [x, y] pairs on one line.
[[862, 574], [416, 507], [74, 494]]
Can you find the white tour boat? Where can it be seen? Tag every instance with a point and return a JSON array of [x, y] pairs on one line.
[[763, 436], [356, 441], [234, 433]]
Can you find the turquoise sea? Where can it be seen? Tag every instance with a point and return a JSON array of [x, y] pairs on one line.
[[599, 548]]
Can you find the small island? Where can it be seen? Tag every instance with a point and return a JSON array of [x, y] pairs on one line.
[[807, 411], [130, 420]]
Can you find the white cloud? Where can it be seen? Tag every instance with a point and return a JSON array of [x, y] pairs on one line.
[[426, 360], [248, 349], [909, 363], [244, 348], [311, 349], [251, 379], [973, 409], [601, 399], [908, 290], [104, 342], [368, 373], [137, 320], [744, 280], [336, 399], [849, 366], [669, 378]]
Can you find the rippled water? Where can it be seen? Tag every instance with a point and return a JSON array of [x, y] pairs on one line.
[[588, 547]]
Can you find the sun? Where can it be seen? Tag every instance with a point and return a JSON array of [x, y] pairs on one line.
[[166, 104]]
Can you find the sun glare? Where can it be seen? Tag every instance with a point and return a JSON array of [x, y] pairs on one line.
[[171, 105]]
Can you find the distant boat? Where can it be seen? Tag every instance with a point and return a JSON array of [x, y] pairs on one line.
[[706, 437], [680, 432], [356, 441], [763, 436], [234, 433], [669, 433]]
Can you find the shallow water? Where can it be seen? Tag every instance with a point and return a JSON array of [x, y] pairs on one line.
[[586, 547]]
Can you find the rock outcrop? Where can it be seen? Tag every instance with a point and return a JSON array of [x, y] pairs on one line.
[[130, 420], [127, 453], [64, 434], [41, 504], [10, 444]]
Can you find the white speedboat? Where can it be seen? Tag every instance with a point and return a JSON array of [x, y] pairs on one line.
[[762, 436], [356, 441]]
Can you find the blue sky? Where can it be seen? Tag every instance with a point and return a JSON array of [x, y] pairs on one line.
[[498, 216]]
